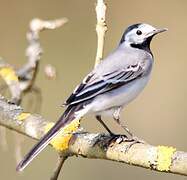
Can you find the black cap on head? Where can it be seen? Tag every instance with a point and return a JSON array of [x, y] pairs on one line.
[[134, 26]]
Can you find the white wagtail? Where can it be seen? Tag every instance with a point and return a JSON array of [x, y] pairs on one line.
[[115, 82]]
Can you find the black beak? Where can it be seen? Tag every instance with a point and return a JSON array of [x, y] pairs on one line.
[[159, 30], [156, 31]]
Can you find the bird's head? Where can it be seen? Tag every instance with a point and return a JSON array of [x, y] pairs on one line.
[[140, 34]]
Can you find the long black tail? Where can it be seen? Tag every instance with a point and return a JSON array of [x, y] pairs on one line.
[[65, 119]]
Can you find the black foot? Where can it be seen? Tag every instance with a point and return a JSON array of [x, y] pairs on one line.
[[123, 138], [110, 139], [137, 140], [113, 139], [11, 102], [118, 138], [132, 141]]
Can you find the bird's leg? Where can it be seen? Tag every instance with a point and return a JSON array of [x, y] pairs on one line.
[[114, 137], [116, 117], [133, 139], [98, 117]]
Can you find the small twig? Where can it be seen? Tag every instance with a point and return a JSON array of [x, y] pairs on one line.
[[60, 162], [101, 29], [27, 73]]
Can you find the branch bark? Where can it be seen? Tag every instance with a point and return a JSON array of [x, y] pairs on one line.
[[88, 145], [101, 29]]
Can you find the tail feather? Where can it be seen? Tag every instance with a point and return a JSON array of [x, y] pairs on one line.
[[66, 118]]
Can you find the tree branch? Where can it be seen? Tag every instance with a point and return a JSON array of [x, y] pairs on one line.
[[101, 29], [158, 158]]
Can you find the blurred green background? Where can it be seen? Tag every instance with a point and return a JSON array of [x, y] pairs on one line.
[[158, 115]]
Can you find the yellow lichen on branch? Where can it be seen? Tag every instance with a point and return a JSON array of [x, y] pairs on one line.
[[61, 141], [23, 116], [164, 159], [8, 74]]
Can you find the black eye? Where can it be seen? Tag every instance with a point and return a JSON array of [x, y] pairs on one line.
[[138, 32]]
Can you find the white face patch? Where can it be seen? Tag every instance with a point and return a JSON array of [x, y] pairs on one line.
[[133, 37]]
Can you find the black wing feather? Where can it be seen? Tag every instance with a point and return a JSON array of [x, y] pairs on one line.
[[91, 88]]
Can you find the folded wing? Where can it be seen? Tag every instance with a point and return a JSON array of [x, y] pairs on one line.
[[95, 84]]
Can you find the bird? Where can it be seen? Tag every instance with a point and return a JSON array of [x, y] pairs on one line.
[[110, 86]]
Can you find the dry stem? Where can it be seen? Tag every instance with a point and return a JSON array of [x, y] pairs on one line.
[[101, 29]]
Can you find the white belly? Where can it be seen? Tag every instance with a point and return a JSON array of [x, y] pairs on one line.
[[118, 97]]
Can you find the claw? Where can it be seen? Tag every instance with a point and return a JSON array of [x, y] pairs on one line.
[[108, 141], [123, 138], [117, 138], [132, 141], [137, 140]]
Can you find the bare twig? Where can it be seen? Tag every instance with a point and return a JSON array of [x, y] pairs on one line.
[[101, 29], [27, 73], [158, 158], [60, 162]]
